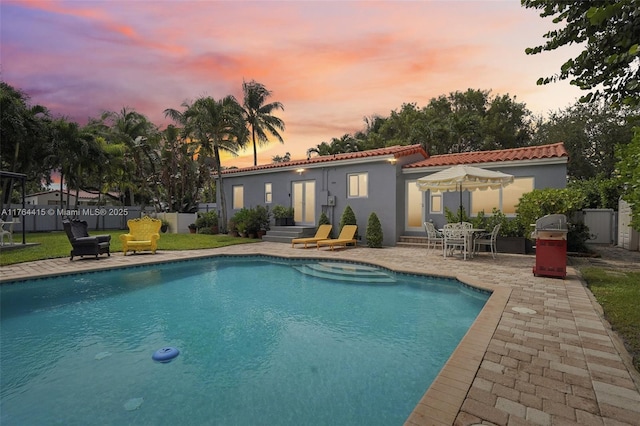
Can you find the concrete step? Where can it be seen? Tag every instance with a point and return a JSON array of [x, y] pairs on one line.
[[284, 234], [410, 241], [347, 272]]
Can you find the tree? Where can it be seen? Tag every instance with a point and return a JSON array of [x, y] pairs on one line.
[[179, 174], [259, 115], [590, 133], [24, 139], [281, 159], [629, 173], [74, 153], [216, 125], [140, 138], [610, 59], [337, 146]]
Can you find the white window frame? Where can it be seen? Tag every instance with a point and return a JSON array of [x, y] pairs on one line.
[[359, 191], [268, 192], [433, 195], [238, 196], [500, 198]]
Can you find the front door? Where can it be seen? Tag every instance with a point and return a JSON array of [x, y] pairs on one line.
[[304, 202]]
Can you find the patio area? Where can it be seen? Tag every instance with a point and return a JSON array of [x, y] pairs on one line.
[[539, 353]]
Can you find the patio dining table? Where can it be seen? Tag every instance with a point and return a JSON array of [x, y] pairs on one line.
[[468, 235]]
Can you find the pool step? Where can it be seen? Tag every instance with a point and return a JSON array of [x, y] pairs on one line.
[[346, 272]]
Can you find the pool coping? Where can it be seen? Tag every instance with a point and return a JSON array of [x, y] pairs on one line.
[[454, 396]]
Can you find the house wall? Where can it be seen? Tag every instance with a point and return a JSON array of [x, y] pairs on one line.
[[544, 176], [329, 181]]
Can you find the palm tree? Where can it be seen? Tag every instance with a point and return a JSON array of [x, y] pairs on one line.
[[139, 136], [24, 139], [216, 126], [259, 115]]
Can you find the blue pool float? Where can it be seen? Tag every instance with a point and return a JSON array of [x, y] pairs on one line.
[[165, 354]]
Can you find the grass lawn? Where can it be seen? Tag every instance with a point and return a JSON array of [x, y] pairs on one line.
[[55, 244], [618, 292]]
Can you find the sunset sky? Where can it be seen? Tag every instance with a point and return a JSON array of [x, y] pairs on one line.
[[330, 63]]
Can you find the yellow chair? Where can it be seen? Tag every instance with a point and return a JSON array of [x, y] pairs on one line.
[[144, 234], [347, 236], [321, 234]]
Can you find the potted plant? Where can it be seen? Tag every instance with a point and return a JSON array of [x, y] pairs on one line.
[[165, 225], [242, 229], [192, 228], [242, 220], [283, 215], [232, 230]]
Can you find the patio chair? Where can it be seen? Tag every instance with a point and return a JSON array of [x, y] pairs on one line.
[[455, 236], [347, 236], [82, 243], [321, 234], [487, 240], [144, 234], [434, 237], [8, 231]]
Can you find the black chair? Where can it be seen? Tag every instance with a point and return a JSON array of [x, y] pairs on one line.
[[83, 244]]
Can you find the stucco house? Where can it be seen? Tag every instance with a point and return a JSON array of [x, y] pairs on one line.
[[384, 181]]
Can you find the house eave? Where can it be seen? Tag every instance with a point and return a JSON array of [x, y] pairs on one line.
[[321, 165], [490, 165]]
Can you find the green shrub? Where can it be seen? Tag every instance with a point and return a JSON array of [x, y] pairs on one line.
[[262, 217], [242, 220], [540, 202], [324, 220], [460, 215], [348, 218], [577, 238], [282, 212], [206, 220], [374, 231]]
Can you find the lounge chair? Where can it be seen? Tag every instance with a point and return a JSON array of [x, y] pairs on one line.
[[143, 235], [347, 236], [321, 234], [82, 243]]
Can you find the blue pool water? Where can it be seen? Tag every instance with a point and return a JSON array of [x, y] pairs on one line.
[[262, 341]]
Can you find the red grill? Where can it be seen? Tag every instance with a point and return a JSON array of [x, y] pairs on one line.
[[551, 246]]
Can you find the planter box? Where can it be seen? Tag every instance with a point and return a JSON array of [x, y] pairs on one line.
[[284, 221], [517, 245]]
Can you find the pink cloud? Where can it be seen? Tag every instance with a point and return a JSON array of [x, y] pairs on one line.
[[329, 63]]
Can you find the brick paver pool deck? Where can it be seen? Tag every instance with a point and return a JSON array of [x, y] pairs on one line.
[[539, 353]]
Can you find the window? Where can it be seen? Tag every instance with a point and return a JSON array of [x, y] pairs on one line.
[[268, 193], [511, 194], [504, 199], [435, 206], [238, 196], [414, 205], [357, 185]]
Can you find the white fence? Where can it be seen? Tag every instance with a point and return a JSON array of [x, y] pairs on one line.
[[46, 218], [602, 225]]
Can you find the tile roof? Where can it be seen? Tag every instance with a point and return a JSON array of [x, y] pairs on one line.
[[397, 151], [555, 150]]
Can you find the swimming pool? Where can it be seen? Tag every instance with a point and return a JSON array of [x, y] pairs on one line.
[[262, 340]]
